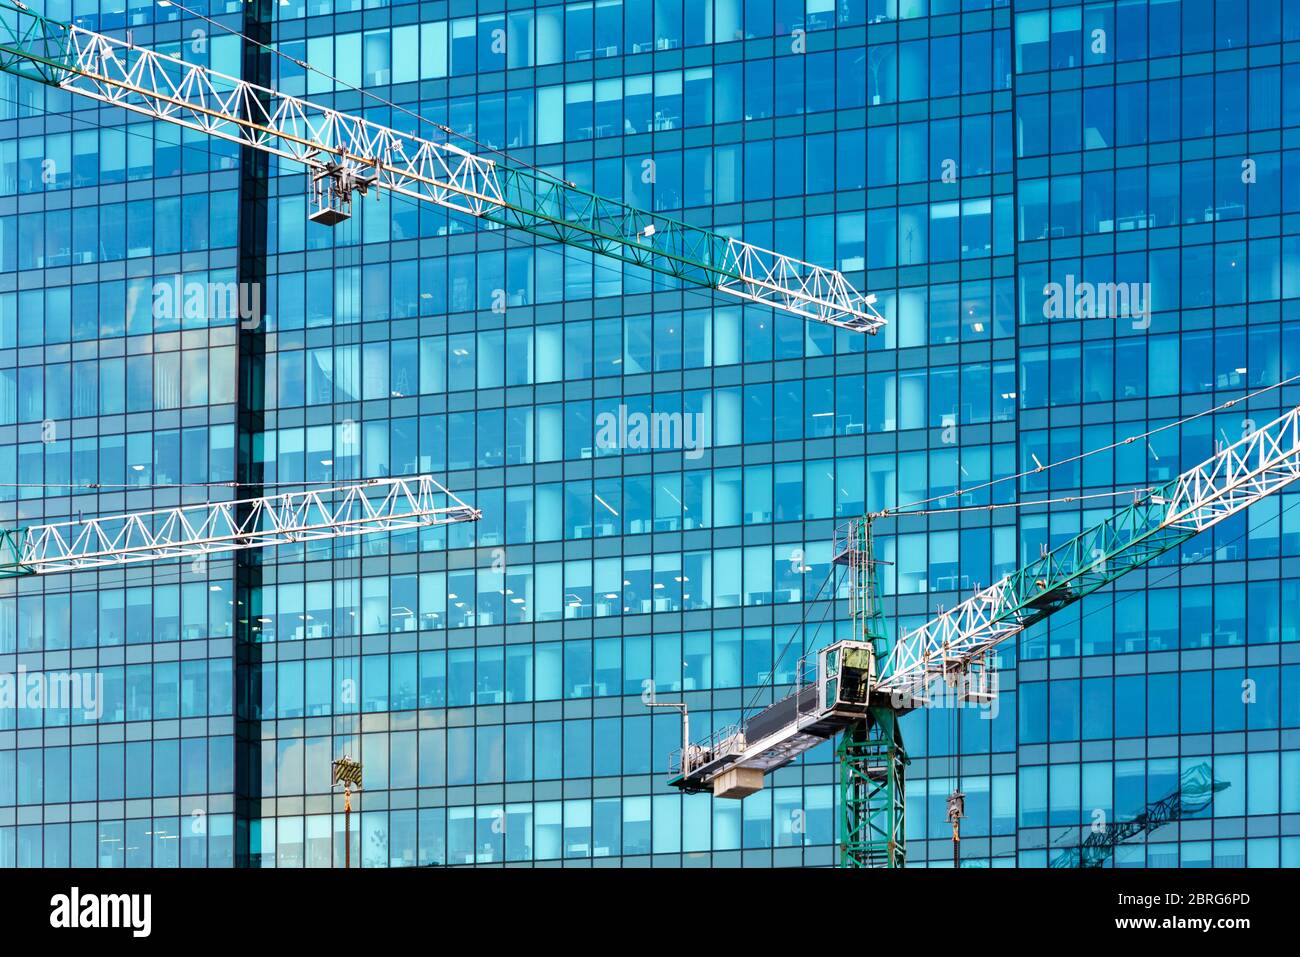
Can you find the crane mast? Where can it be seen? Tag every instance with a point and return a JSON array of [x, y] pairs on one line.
[[193, 531], [856, 689], [347, 155]]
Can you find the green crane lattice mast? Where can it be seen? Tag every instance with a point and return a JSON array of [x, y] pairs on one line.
[[872, 759]]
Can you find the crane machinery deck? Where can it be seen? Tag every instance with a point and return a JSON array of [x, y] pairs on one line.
[[347, 155], [859, 691]]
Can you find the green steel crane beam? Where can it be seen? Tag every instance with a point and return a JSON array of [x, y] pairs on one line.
[[873, 808], [873, 762], [11, 552]]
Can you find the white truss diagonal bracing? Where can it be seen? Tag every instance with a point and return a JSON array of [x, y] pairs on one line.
[[379, 505], [949, 642], [813, 292], [1234, 478], [1240, 474], [121, 74], [166, 88]]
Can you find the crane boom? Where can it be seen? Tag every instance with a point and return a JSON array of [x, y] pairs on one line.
[[732, 763], [185, 531], [348, 154], [1230, 480]]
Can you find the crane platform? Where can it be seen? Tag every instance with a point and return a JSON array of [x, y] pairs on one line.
[[733, 762]]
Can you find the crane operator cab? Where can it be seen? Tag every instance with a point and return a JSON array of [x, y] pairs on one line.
[[846, 670]]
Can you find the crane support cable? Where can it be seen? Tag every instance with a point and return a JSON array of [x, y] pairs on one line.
[[914, 506], [770, 680], [329, 142], [1019, 503]]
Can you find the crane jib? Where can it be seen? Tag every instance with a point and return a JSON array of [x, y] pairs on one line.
[[365, 154]]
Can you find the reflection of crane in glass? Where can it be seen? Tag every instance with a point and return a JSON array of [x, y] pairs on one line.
[[1196, 789]]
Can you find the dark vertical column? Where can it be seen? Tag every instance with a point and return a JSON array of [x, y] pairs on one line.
[[254, 167], [1015, 324]]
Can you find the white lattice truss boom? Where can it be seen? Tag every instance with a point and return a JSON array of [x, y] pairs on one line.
[[813, 292], [1237, 476], [185, 531], [166, 88]]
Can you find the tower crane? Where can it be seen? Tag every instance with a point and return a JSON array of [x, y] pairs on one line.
[[194, 531], [859, 688], [1196, 789], [346, 156]]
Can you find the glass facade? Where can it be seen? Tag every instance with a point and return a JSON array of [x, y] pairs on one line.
[[1082, 221]]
